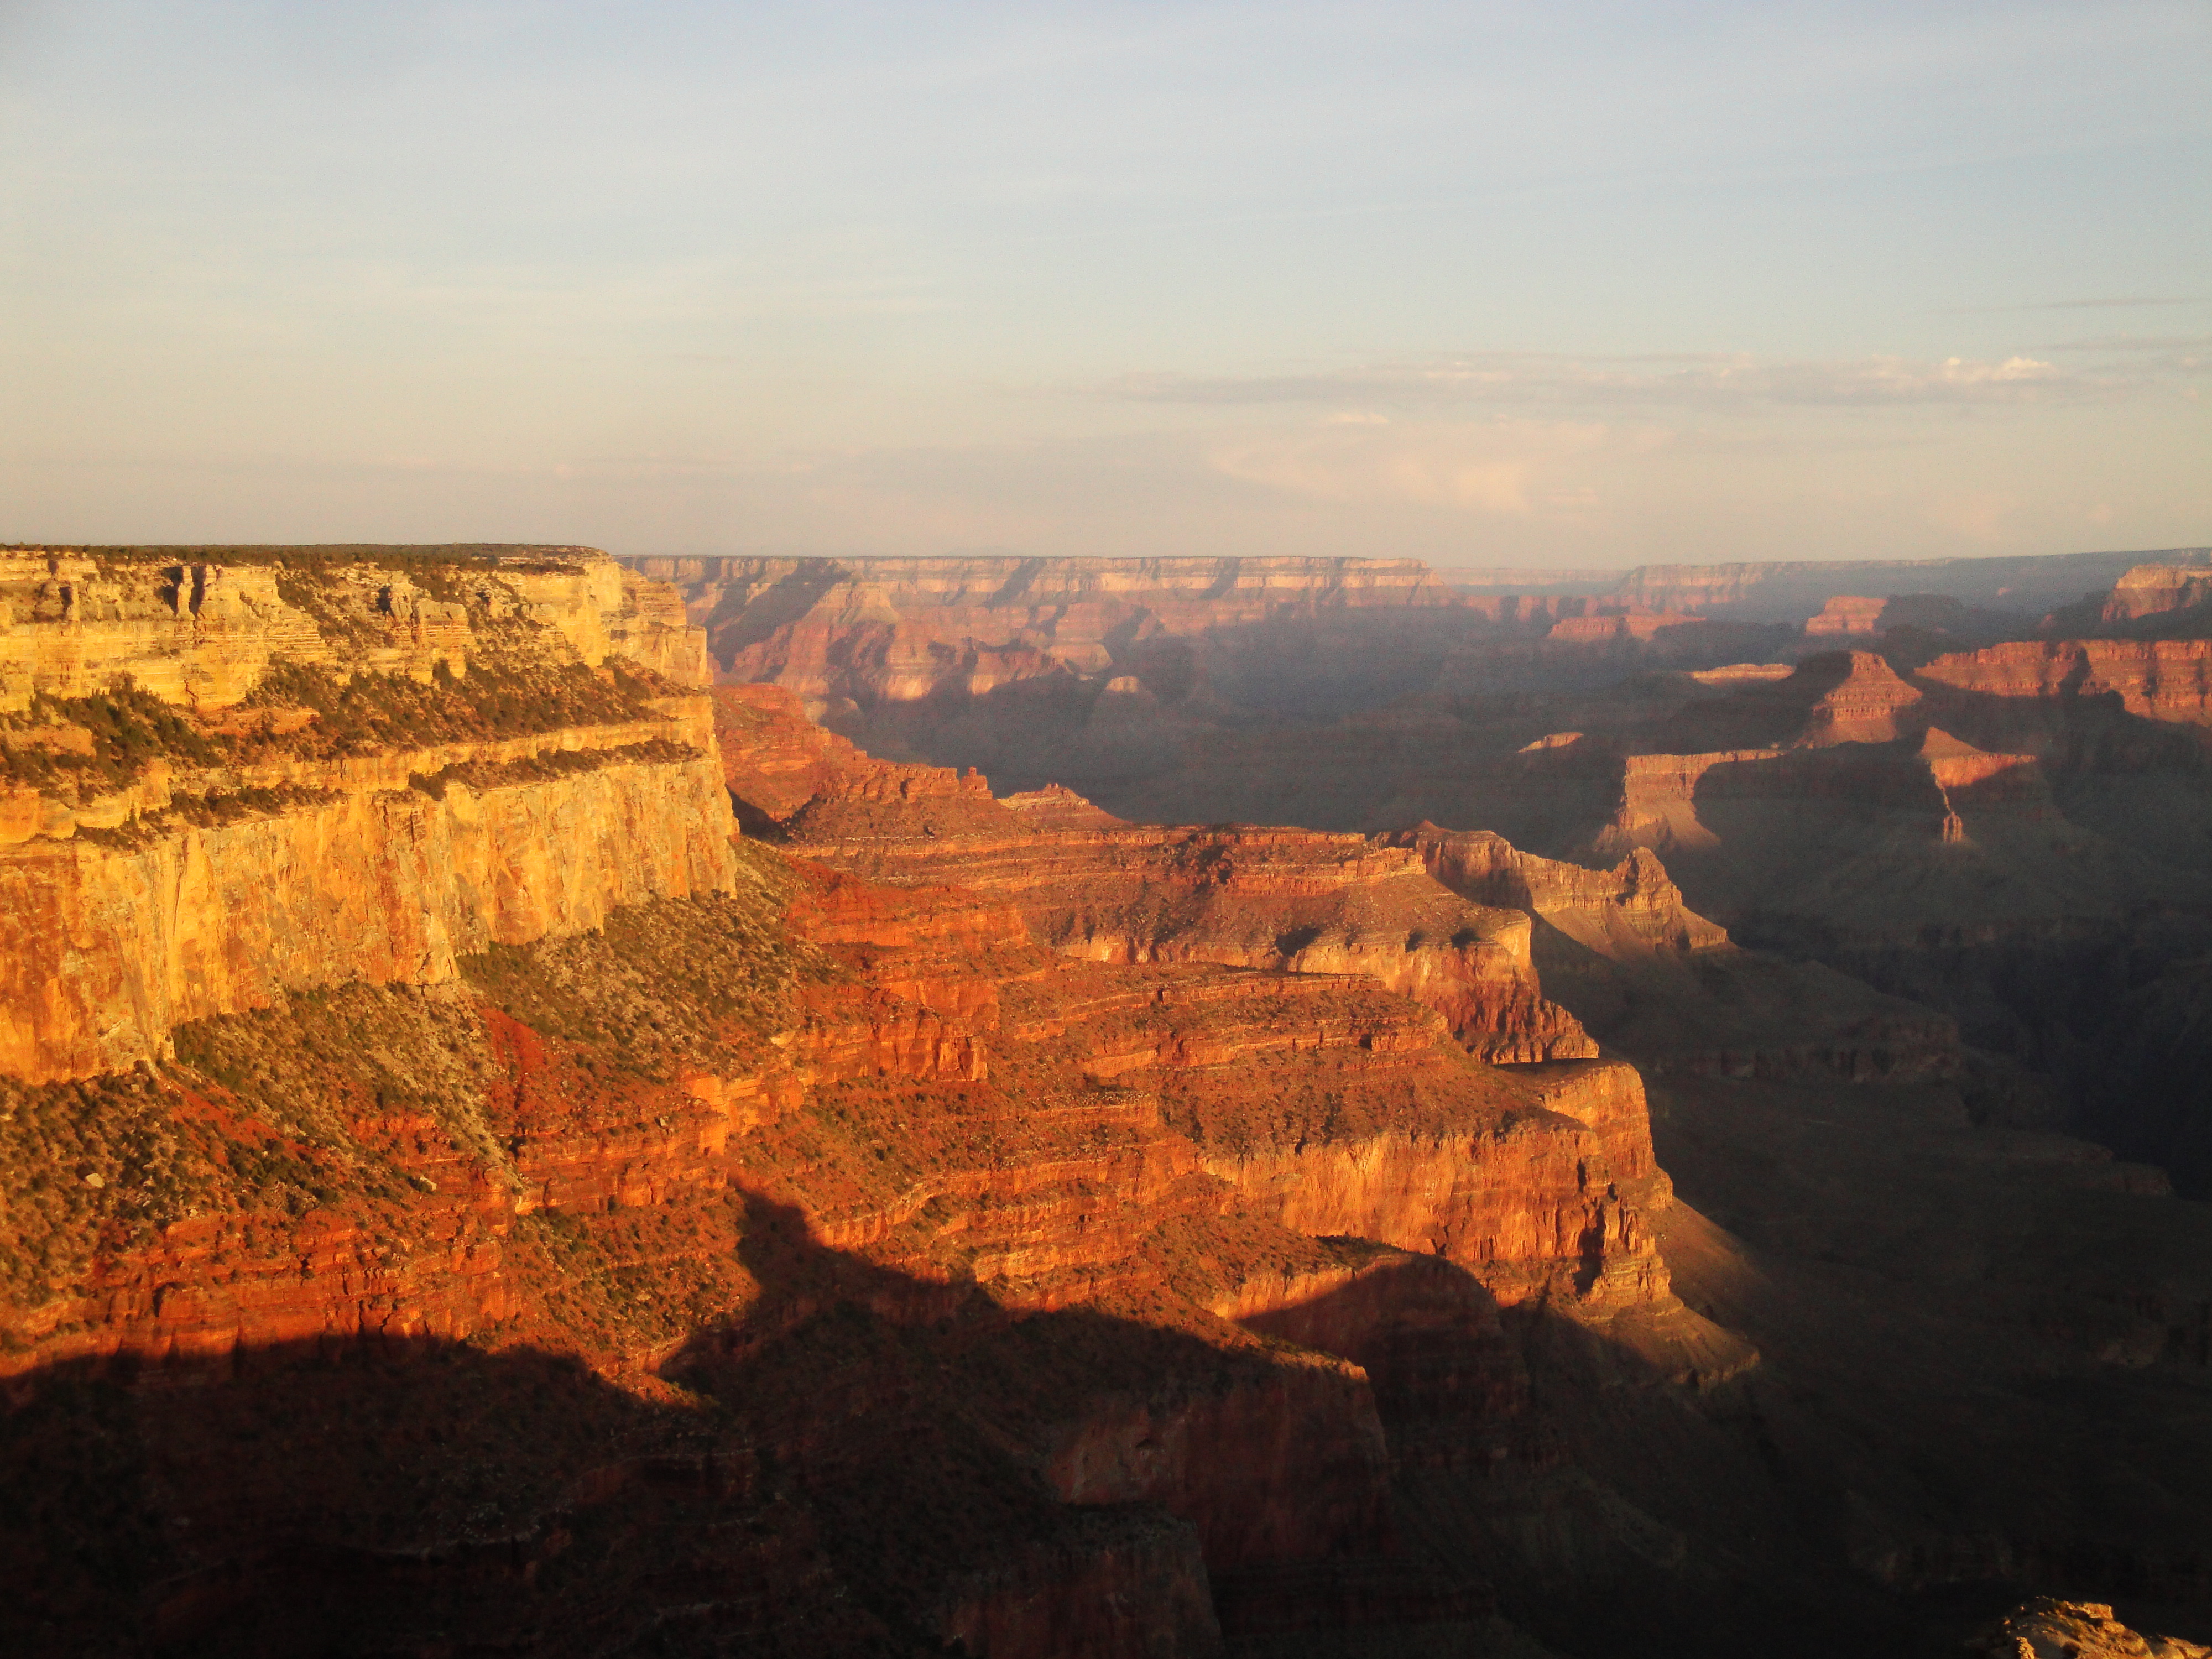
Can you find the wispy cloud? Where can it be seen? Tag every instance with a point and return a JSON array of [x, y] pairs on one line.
[[1715, 381]]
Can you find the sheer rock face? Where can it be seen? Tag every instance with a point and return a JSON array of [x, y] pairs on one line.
[[1634, 906], [2168, 680], [1338, 1109], [251, 847], [198, 630], [1065, 1135], [115, 944], [1528, 1203]]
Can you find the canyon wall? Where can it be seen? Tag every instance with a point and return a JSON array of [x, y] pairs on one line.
[[2156, 590], [158, 867], [1118, 676], [115, 944], [199, 626], [1792, 590], [2167, 680], [1091, 886]]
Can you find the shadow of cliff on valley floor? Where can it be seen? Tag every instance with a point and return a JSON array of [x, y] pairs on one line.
[[860, 1462]]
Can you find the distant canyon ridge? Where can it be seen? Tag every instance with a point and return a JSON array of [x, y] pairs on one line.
[[1119, 677], [1981, 784]]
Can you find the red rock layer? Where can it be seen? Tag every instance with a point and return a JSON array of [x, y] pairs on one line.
[[1285, 899], [928, 1208], [2158, 680]]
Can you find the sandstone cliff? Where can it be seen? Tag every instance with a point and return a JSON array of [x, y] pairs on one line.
[[488, 769], [941, 1217], [200, 626], [2168, 680]]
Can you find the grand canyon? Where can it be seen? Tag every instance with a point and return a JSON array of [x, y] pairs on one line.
[[556, 1104]]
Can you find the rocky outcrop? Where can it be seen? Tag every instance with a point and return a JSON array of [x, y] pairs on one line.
[[2047, 1628], [2156, 590], [2168, 680], [200, 626], [1278, 899], [778, 763], [1857, 698], [1846, 614], [1633, 907]]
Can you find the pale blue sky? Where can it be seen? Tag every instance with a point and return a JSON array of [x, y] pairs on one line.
[[1575, 283]]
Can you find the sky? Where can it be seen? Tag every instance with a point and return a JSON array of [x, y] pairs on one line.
[[1572, 284]]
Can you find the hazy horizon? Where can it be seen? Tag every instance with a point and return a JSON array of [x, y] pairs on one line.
[[1596, 286]]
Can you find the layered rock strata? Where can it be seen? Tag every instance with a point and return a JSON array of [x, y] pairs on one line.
[[200, 626], [158, 866], [1091, 886], [2165, 680]]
